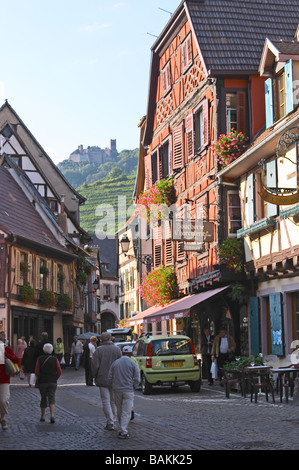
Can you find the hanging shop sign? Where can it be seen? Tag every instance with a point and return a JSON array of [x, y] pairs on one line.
[[276, 172], [192, 231]]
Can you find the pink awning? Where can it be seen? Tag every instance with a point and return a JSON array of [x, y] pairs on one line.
[[176, 309]]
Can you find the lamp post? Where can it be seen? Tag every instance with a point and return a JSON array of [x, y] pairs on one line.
[[125, 245]]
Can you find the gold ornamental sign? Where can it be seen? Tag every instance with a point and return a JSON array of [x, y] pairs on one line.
[[279, 199]]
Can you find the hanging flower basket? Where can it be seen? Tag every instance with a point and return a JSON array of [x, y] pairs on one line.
[[229, 147], [27, 294], [230, 253], [152, 202], [159, 286], [47, 298], [64, 302]]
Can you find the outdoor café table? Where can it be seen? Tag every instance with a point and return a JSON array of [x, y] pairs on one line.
[[232, 376], [259, 377], [285, 380]]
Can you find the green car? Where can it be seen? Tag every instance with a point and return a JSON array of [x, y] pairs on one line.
[[166, 360]]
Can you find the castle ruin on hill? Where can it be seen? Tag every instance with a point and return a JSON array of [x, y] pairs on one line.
[[95, 154]]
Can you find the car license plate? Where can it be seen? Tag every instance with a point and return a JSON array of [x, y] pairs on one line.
[[173, 364]]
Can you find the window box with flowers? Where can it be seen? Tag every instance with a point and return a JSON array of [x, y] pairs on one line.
[[152, 202], [64, 302], [47, 298], [230, 253], [159, 286], [27, 294], [229, 147]]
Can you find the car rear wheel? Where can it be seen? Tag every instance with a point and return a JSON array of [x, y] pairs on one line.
[[195, 386], [145, 386]]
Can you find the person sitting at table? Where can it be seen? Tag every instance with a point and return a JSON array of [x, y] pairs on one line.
[[222, 350]]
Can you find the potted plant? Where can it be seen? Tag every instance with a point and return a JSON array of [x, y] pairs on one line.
[[151, 203], [27, 293], [47, 298], [44, 270], [229, 147], [64, 302], [159, 286], [230, 253]]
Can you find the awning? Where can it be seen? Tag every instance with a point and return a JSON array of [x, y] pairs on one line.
[[177, 309]]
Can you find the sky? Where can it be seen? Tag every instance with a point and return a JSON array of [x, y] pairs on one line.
[[77, 71]]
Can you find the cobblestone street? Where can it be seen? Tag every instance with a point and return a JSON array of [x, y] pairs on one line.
[[169, 420]]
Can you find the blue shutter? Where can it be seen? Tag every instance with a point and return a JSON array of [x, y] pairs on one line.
[[269, 102], [250, 199], [271, 182], [276, 324], [288, 74], [254, 325]]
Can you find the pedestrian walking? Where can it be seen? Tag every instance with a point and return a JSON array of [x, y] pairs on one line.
[[223, 349], [29, 362], [89, 350], [48, 371], [5, 380], [102, 359], [59, 349], [124, 377], [21, 346], [206, 349], [76, 351], [40, 345]]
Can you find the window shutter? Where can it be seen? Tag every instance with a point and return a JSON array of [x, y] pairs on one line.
[[241, 112], [177, 152], [254, 325], [250, 199], [37, 273], [271, 183], [184, 56], [148, 170], [49, 274], [269, 102], [187, 57], [170, 155], [55, 277], [190, 136], [157, 246], [29, 274], [17, 268], [288, 73], [206, 129], [159, 163], [276, 323]]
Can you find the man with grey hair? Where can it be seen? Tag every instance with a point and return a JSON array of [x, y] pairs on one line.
[[102, 359]]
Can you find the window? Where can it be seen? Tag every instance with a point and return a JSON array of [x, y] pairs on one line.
[[164, 160], [187, 57], [236, 114], [231, 111], [234, 213], [166, 79], [106, 291], [154, 167], [281, 95], [279, 98], [201, 126]]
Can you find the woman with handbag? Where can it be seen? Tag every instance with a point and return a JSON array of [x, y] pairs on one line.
[[5, 380], [48, 371]]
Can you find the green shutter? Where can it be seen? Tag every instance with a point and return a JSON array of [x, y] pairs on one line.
[[276, 324], [254, 325]]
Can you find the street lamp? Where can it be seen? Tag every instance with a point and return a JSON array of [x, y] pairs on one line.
[[125, 244]]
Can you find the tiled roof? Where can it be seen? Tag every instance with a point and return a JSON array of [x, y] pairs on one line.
[[287, 47], [19, 217], [231, 33]]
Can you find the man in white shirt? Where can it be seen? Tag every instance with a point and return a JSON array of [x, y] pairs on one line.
[[124, 376]]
